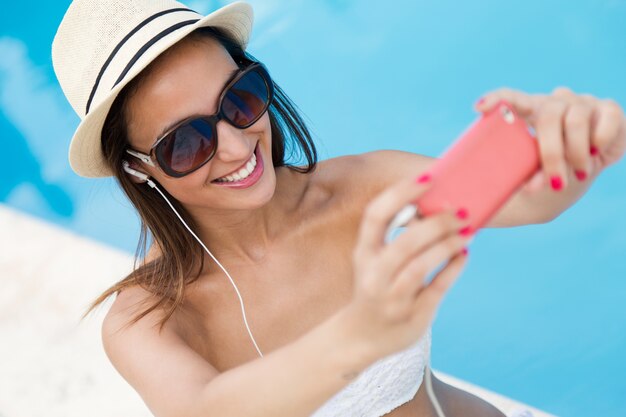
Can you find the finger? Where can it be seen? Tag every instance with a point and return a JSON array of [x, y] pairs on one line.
[[380, 211], [550, 138], [609, 120], [429, 298], [524, 104], [564, 93], [411, 278], [577, 126], [418, 237]]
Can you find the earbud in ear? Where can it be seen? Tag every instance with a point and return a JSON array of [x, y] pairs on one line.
[[138, 175]]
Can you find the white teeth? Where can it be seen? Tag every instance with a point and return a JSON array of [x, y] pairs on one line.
[[242, 173]]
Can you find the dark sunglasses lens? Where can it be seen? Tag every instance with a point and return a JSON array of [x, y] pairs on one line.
[[246, 100], [187, 147]]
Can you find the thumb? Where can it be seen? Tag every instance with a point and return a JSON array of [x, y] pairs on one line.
[[536, 182]]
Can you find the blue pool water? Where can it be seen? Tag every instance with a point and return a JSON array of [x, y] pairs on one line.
[[539, 314]]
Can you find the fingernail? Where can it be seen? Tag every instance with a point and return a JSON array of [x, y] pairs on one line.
[[465, 231], [464, 251], [479, 102], [593, 150], [424, 178], [556, 182], [462, 213], [581, 175]]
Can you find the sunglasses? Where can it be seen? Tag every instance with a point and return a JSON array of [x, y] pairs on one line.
[[192, 142]]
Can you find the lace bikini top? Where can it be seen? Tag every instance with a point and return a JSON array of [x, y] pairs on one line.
[[384, 385]]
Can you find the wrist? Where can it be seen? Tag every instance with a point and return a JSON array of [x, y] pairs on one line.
[[354, 351]]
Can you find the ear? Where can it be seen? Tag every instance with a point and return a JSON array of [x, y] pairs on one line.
[[135, 175]]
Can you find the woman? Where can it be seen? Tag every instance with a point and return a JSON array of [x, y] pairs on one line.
[[333, 312]]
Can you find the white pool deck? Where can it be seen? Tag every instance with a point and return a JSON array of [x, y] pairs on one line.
[[53, 365]]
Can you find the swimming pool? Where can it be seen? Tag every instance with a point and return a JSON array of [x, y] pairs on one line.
[[538, 313]]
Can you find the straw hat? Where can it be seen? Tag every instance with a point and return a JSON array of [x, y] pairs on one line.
[[103, 44]]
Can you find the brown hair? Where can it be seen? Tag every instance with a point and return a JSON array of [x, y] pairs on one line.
[[181, 257]]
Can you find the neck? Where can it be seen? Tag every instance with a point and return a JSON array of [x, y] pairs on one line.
[[242, 235], [245, 236]]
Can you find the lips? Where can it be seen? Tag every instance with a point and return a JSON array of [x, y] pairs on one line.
[[242, 166], [251, 180]]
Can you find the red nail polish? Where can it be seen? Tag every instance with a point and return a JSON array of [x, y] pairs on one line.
[[464, 251], [465, 231], [593, 150], [462, 213], [479, 102], [424, 178], [556, 182], [581, 175]]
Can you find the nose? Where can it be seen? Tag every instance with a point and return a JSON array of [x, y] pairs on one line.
[[232, 144]]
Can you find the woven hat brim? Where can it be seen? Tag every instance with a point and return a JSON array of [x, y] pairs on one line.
[[85, 155]]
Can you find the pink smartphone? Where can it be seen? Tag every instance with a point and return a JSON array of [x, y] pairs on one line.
[[486, 165]]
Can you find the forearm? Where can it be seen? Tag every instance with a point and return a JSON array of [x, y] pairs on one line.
[[544, 205], [293, 380]]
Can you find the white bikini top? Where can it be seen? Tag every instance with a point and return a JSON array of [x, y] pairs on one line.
[[384, 385]]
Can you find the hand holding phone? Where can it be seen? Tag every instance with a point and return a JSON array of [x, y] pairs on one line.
[[487, 164]]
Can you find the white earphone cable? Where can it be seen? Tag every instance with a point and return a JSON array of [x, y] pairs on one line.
[[429, 389], [243, 310]]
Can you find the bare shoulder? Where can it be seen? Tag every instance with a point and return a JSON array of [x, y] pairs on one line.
[[132, 300], [369, 173], [128, 302], [149, 357], [119, 328]]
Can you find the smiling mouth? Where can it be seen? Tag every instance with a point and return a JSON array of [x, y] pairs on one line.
[[243, 172]]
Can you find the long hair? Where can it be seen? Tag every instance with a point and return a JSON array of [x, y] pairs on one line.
[[181, 257]]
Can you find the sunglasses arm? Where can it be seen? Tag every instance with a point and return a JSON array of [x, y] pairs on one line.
[[141, 156]]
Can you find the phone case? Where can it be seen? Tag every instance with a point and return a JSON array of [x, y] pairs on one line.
[[486, 165]]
